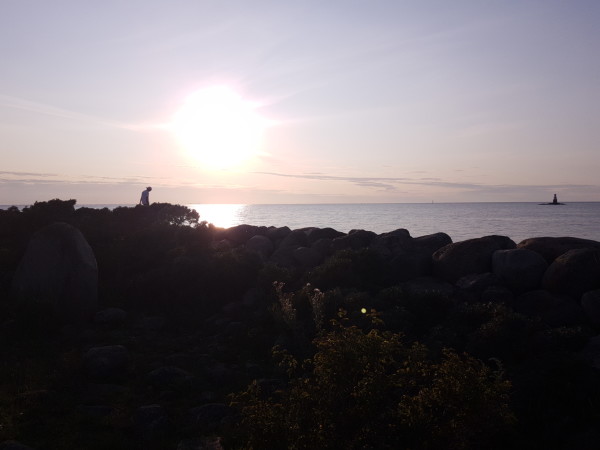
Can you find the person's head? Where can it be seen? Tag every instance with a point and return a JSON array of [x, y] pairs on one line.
[[148, 188]]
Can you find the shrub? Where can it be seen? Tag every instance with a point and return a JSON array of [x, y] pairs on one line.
[[505, 336], [369, 390]]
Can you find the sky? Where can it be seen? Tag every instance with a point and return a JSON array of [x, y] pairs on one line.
[[351, 101]]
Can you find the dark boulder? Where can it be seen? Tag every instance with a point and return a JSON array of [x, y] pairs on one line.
[[521, 269], [393, 243], [355, 240], [574, 273], [284, 254], [57, 278], [423, 249], [314, 234], [284, 257], [308, 257], [295, 239], [277, 234], [454, 261], [552, 247], [239, 234], [409, 257], [432, 242], [261, 245], [323, 246]]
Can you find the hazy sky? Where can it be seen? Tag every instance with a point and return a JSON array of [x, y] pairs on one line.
[[331, 101]]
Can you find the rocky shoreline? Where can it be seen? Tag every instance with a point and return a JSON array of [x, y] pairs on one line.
[[127, 357]]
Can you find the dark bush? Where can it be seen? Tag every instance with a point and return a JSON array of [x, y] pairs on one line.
[[369, 390]]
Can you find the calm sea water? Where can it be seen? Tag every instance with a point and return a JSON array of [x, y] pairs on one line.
[[459, 220]]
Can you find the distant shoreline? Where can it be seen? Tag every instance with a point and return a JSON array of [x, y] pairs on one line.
[[131, 205]]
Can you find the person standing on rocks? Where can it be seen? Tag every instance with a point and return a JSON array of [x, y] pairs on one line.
[[145, 198]]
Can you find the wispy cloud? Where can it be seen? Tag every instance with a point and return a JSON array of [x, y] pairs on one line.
[[45, 109], [43, 179], [394, 183], [27, 174]]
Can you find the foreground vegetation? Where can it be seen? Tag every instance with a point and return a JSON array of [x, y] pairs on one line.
[[339, 356]]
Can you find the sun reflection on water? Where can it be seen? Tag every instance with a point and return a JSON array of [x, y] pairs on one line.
[[220, 215]]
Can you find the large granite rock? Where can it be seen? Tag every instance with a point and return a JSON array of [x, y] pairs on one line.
[[409, 257], [277, 234], [261, 245], [393, 243], [295, 239], [416, 260], [284, 255], [521, 269], [552, 247], [314, 234], [459, 259], [308, 257], [57, 279], [355, 240], [240, 234], [324, 246], [430, 243], [574, 273]]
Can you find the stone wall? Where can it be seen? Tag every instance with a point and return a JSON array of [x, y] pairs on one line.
[[546, 276]]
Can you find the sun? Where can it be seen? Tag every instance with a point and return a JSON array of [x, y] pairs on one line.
[[218, 128]]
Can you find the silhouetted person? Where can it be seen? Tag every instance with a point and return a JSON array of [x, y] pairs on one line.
[[555, 201], [145, 198]]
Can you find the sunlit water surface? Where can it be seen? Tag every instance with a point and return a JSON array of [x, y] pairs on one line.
[[460, 220]]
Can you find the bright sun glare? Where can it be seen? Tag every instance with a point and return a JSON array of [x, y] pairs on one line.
[[218, 128]]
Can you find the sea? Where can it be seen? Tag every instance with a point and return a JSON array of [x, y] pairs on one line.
[[460, 221]]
